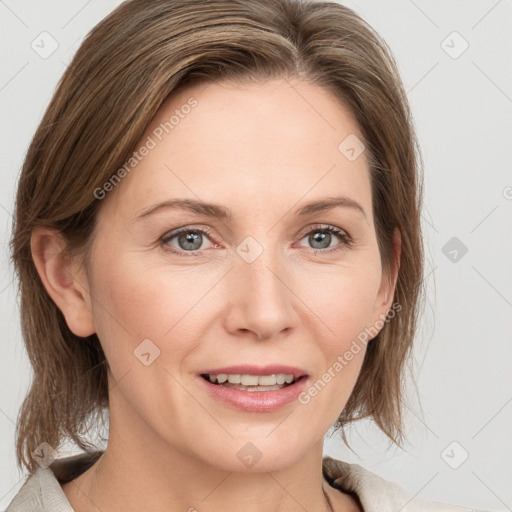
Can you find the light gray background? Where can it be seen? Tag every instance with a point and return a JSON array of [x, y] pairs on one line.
[[462, 105]]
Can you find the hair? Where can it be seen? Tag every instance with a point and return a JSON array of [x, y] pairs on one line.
[[127, 66]]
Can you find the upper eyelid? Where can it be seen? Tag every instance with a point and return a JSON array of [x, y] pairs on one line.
[[321, 227]]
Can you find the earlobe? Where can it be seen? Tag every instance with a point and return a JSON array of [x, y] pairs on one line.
[[63, 280]]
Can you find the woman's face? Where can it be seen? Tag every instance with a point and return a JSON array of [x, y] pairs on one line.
[[265, 286]]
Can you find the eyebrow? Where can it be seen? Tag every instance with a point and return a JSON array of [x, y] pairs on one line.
[[221, 212]]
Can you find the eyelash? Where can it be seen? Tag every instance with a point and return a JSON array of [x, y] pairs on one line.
[[346, 240]]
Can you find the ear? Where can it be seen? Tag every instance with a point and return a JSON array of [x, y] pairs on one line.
[[386, 292], [63, 279]]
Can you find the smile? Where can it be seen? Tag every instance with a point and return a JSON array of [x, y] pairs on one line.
[[265, 389], [248, 382]]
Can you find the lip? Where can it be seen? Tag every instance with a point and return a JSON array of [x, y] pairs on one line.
[[256, 401]]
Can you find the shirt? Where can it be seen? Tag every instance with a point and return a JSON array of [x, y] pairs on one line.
[[41, 492]]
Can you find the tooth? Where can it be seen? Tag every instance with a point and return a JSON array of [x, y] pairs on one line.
[[249, 380], [252, 380], [263, 388], [280, 378], [267, 380]]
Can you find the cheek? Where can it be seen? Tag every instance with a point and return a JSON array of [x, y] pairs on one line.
[[343, 302], [134, 302], [342, 299], [343, 310]]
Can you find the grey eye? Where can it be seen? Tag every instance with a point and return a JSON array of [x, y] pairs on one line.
[[190, 240], [322, 239]]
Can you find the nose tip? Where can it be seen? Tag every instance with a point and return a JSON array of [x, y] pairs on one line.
[[261, 302]]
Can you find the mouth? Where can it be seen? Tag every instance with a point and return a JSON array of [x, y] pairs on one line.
[[250, 382], [254, 388]]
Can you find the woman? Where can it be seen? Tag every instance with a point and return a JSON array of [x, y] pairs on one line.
[[217, 230]]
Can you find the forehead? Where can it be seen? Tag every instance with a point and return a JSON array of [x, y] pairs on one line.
[[261, 144]]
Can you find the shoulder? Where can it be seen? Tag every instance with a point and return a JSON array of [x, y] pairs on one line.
[[376, 493], [42, 491]]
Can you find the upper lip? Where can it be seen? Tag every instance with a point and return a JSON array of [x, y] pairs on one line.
[[249, 369]]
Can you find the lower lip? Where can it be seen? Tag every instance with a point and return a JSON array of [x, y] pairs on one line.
[[256, 401]]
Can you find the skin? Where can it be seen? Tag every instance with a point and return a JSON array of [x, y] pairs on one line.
[[262, 150]]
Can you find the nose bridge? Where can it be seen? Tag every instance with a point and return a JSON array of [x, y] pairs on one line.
[[259, 269], [261, 299]]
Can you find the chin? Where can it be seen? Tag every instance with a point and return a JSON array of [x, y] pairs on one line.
[[257, 454]]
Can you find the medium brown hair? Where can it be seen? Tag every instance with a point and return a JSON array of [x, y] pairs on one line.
[[127, 66]]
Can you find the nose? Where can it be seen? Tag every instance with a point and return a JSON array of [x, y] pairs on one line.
[[261, 299]]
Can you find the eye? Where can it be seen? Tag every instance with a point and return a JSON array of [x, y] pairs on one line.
[[322, 237], [188, 240]]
